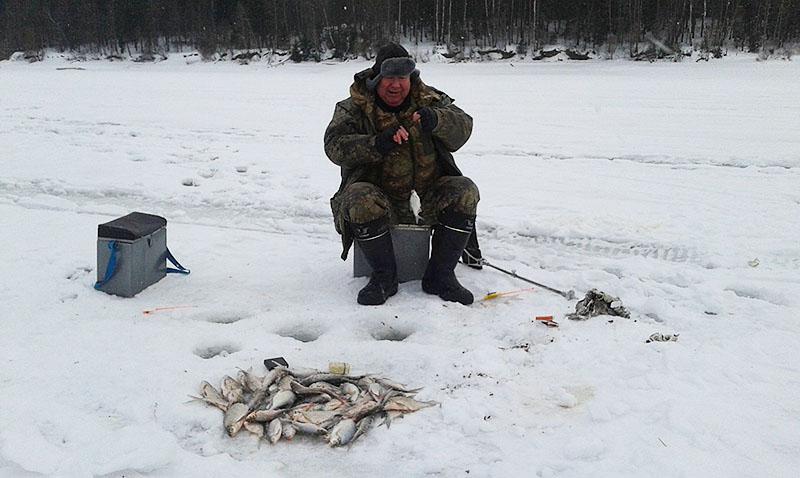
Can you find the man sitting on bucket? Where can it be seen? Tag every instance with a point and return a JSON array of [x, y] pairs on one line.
[[393, 139]]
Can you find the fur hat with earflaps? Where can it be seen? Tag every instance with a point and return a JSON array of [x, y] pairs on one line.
[[392, 60]]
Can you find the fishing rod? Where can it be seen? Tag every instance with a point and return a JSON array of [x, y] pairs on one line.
[[569, 295]]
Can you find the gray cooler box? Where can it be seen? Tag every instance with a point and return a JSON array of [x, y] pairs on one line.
[[412, 248], [132, 254]]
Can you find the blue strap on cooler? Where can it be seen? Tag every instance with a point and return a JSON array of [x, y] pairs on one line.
[[111, 267], [180, 269]]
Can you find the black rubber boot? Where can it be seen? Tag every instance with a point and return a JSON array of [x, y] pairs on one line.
[[449, 239], [375, 242]]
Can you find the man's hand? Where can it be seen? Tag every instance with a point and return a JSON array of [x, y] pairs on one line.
[[401, 135], [426, 118], [390, 139]]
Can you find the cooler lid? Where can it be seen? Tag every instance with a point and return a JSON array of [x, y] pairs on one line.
[[131, 227]]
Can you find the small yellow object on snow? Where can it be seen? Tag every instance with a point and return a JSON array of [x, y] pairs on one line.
[[496, 295], [339, 368]]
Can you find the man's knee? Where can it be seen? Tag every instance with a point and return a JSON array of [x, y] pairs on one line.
[[460, 194], [364, 202]]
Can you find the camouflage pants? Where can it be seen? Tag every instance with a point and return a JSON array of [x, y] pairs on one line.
[[364, 202]]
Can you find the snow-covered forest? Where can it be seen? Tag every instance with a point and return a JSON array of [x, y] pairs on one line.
[[464, 29]]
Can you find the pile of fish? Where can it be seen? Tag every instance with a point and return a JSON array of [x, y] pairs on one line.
[[338, 408], [659, 337], [597, 303]]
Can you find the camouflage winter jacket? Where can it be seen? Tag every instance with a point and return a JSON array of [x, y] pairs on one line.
[[350, 143]]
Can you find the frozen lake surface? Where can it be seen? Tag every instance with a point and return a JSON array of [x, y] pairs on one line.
[[672, 186]]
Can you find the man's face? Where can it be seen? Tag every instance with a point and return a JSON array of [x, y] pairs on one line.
[[394, 89]]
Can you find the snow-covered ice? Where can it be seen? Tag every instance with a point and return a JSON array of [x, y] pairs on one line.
[[672, 186]]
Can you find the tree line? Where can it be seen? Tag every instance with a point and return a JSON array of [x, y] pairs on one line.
[[314, 29]]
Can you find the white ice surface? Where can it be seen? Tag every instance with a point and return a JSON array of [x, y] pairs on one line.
[[654, 182]]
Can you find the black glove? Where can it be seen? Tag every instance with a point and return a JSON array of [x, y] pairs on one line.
[[384, 142], [428, 119]]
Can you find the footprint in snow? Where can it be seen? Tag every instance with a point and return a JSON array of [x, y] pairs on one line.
[[299, 333], [392, 333], [212, 351], [79, 272], [225, 318]]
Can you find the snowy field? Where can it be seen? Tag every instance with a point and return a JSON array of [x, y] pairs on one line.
[[672, 186]]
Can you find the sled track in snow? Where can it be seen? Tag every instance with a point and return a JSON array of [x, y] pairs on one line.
[[595, 246], [278, 219], [670, 253], [268, 218], [680, 162]]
